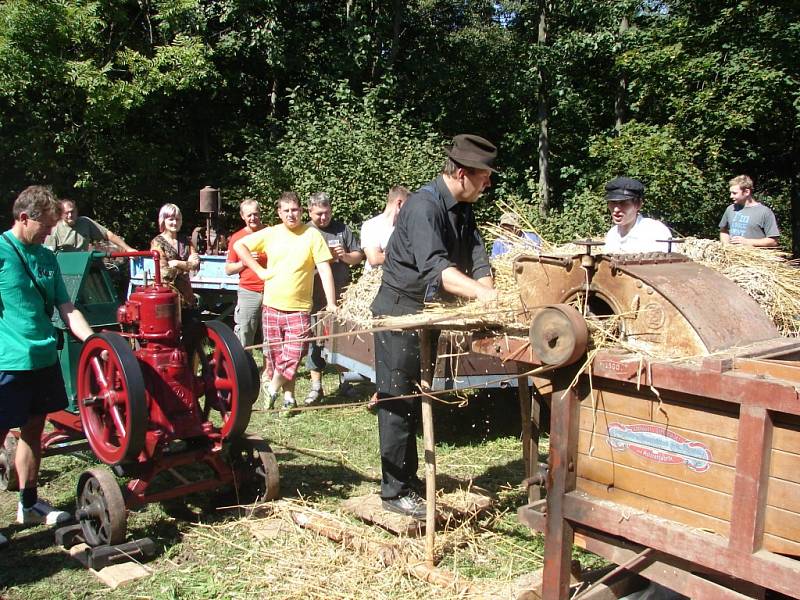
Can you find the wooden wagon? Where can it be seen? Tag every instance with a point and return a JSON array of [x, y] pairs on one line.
[[685, 470]]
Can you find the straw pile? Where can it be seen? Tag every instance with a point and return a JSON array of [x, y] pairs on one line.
[[296, 549], [766, 275], [355, 302]]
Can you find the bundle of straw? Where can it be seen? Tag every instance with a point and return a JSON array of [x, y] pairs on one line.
[[356, 300], [766, 275]]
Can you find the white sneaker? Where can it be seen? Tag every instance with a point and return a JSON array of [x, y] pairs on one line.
[[269, 397], [314, 396], [3, 541], [288, 405], [41, 513]]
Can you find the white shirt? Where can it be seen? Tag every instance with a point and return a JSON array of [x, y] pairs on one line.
[[375, 233], [641, 237]]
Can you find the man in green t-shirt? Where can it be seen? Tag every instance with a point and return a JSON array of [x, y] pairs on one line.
[[31, 288], [76, 233]]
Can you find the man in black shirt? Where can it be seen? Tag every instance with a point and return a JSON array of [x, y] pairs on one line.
[[435, 249]]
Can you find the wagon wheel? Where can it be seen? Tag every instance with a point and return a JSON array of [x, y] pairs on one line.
[[228, 387], [558, 334], [9, 481], [111, 398], [101, 508], [255, 464]]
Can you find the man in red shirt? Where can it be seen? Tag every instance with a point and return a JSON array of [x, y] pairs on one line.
[[247, 315]]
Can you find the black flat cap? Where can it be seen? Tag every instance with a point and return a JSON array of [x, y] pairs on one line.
[[624, 188], [473, 151]]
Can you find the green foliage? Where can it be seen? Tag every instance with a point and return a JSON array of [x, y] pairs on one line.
[[676, 189], [353, 148], [126, 104], [582, 216]]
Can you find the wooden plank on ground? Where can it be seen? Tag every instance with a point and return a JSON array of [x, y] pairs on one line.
[[452, 508], [369, 508], [114, 576]]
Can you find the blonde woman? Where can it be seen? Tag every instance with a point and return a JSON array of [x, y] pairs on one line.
[[178, 256]]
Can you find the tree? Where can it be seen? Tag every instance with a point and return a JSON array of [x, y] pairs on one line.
[[351, 147]]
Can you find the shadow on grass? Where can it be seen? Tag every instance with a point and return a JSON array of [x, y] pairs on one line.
[[31, 556], [322, 477]]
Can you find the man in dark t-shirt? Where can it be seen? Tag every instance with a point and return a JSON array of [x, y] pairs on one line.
[[346, 253]]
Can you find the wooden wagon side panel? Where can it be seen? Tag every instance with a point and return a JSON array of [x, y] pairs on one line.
[[782, 514], [676, 458], [661, 455]]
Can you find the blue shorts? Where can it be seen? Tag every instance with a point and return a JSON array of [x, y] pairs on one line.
[[25, 394]]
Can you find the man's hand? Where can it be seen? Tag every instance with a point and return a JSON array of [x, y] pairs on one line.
[[331, 308], [486, 294], [766, 242], [337, 252]]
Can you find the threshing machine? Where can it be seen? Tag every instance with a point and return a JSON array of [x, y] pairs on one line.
[[675, 455]]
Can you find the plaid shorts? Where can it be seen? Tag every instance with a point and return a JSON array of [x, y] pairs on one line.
[[285, 335]]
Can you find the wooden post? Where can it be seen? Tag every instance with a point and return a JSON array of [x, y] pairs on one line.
[[426, 379], [558, 531], [530, 414]]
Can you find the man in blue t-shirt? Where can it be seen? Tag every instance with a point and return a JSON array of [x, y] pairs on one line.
[[747, 221], [31, 288]]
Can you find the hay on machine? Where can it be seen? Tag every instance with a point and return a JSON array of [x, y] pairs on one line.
[[769, 277]]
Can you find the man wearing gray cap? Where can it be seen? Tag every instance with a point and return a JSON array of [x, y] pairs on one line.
[[435, 248], [632, 232]]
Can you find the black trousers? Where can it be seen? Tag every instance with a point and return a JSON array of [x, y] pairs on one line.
[[397, 372]]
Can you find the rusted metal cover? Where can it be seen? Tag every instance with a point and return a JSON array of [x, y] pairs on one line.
[[670, 306], [209, 200], [723, 315]]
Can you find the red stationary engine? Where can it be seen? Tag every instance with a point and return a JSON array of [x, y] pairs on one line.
[[154, 398]]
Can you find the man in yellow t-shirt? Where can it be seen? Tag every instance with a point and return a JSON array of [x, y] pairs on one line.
[[293, 250]]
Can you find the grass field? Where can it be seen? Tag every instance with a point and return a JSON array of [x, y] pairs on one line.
[[325, 456]]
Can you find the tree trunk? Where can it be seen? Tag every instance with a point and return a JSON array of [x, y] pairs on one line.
[[397, 24], [795, 204], [622, 85], [543, 114]]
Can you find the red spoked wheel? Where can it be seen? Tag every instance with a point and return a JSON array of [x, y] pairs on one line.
[[111, 398], [228, 389]]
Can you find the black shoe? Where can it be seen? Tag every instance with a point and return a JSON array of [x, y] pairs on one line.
[[417, 485], [411, 505]]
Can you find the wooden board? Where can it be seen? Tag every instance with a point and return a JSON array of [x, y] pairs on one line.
[[369, 508], [114, 576], [452, 508], [674, 484]]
